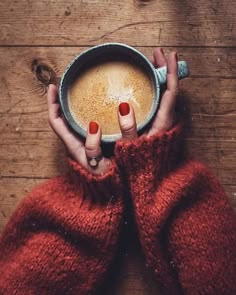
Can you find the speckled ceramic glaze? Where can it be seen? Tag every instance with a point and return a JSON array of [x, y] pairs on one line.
[[90, 56]]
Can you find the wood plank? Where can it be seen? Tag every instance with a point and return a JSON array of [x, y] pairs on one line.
[[87, 22], [47, 159], [201, 123], [12, 192], [203, 32], [32, 149], [18, 80], [33, 160]]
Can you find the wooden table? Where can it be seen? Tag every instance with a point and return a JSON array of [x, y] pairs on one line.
[[39, 38]]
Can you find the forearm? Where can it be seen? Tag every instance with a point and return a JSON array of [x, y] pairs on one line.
[[202, 236], [186, 225], [189, 229], [62, 238]]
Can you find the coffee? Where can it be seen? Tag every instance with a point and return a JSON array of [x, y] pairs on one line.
[[97, 92]]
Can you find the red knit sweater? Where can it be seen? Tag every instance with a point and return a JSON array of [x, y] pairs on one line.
[[64, 235]]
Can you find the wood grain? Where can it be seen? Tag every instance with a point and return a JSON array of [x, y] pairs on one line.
[[33, 150], [37, 41], [212, 72], [87, 22]]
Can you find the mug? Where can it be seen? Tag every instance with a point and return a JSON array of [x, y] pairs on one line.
[[123, 51]]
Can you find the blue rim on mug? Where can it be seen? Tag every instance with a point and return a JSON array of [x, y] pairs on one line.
[[81, 62]]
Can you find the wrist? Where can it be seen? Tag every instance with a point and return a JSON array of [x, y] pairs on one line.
[[104, 186], [157, 154]]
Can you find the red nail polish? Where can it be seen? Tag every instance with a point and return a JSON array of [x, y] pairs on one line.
[[93, 127], [124, 108]]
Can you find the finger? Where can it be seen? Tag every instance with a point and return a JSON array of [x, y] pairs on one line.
[[55, 120], [172, 66], [93, 140], [166, 113], [172, 91], [52, 99], [58, 124], [93, 150], [168, 101], [53, 109], [152, 60], [52, 94], [127, 121], [159, 57]]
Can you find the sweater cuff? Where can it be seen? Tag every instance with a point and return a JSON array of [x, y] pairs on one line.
[[104, 187], [157, 154]]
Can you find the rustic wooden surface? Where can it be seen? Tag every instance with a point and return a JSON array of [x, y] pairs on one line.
[[39, 38]]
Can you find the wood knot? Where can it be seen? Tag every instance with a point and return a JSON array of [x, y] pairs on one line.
[[141, 3], [67, 11], [44, 73]]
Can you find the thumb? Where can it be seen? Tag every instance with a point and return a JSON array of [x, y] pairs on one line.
[[126, 118]]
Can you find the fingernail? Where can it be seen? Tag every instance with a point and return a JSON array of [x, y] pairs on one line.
[[93, 127], [124, 108]]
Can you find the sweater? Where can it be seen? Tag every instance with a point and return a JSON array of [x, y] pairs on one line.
[[64, 236], [186, 225]]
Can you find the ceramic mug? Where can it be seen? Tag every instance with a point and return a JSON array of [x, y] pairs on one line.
[[103, 51]]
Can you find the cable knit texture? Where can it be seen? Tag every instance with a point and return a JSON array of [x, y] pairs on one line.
[[64, 235], [185, 223]]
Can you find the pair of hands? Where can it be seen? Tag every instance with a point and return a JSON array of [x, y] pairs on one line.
[[163, 121]]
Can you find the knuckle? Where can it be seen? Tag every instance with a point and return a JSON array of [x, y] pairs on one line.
[[91, 146], [128, 128]]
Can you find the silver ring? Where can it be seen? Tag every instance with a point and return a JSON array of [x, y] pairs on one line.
[[94, 161]]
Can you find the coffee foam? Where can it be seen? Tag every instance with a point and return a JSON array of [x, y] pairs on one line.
[[96, 94]]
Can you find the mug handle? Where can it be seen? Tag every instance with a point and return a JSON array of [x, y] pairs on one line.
[[183, 72]]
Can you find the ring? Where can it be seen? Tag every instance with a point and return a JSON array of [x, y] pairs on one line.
[[94, 161]]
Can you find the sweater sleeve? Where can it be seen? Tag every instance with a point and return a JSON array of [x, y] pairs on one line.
[[185, 222], [64, 235]]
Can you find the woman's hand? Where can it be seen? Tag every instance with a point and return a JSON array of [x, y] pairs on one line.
[[89, 154], [83, 153], [165, 117]]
